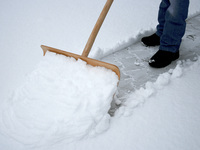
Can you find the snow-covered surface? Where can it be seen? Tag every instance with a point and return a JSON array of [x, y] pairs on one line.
[[133, 60], [154, 114]]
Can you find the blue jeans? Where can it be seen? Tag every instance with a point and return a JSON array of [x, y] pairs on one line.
[[171, 28]]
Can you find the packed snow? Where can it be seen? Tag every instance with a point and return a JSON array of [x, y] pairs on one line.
[[48, 104]]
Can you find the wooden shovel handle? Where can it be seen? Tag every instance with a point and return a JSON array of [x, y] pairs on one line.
[[96, 28]]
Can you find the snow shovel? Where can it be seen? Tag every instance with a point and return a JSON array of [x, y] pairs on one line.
[[89, 44]]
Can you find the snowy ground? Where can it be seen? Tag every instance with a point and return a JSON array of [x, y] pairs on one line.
[[159, 109]]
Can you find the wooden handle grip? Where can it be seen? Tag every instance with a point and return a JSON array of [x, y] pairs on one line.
[[96, 28]]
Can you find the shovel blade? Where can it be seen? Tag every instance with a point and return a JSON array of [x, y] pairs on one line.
[[89, 61]]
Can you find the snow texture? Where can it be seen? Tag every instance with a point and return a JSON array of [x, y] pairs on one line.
[[61, 99], [62, 103]]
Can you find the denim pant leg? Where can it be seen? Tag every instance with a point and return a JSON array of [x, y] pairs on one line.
[[161, 16], [174, 24]]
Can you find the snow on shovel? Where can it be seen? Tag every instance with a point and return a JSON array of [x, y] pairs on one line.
[[89, 45]]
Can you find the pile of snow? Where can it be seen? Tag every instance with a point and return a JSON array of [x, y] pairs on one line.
[[61, 99]]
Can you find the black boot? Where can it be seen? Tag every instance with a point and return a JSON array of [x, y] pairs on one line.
[[163, 58], [153, 40]]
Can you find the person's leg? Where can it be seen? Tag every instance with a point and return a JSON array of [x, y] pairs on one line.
[[154, 40], [174, 26], [164, 5], [172, 33]]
